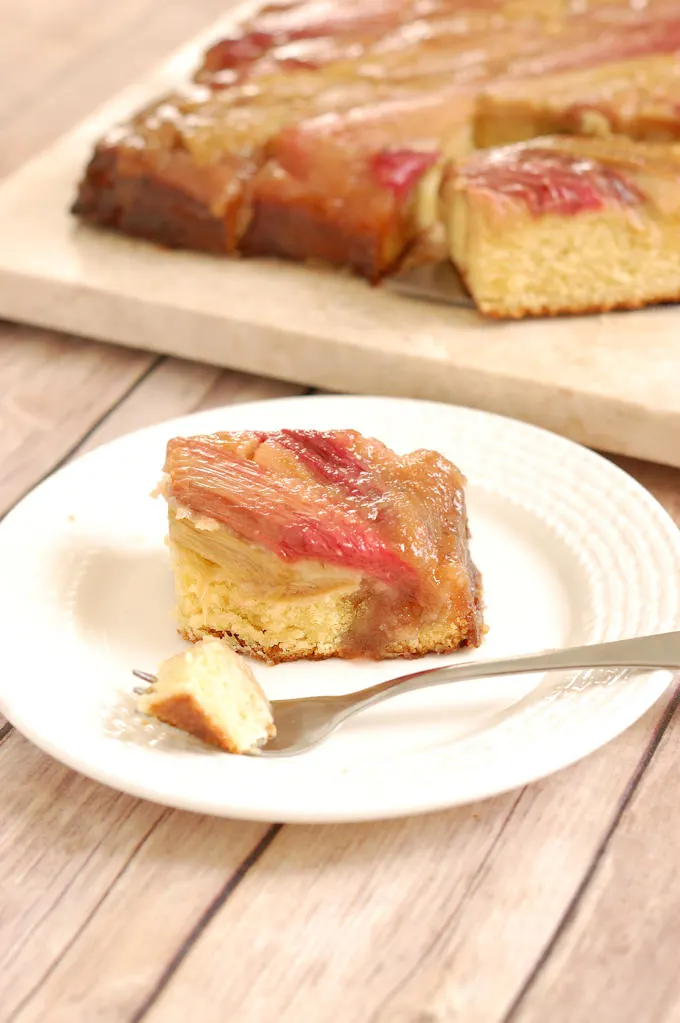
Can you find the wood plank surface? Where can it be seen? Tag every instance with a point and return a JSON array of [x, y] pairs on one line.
[[616, 960], [408, 920], [67, 846], [54, 390], [176, 387], [555, 904]]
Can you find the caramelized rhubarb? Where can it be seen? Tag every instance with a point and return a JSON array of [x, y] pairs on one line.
[[551, 180]]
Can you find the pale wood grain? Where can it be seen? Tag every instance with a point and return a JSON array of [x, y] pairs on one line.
[[70, 57], [233, 388], [173, 385], [177, 386], [617, 960], [479, 962], [39, 41], [69, 848], [54, 389]]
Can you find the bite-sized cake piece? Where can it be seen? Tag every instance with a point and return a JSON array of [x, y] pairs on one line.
[[567, 225], [357, 189], [307, 544], [210, 691], [638, 98]]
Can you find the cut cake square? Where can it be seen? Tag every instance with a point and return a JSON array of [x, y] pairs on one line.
[[566, 225], [307, 544]]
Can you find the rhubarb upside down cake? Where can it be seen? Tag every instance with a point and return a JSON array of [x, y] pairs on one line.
[[328, 131], [306, 544]]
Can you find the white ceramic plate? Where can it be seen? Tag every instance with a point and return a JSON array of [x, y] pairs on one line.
[[571, 550]]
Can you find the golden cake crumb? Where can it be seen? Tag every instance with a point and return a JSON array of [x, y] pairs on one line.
[[211, 692]]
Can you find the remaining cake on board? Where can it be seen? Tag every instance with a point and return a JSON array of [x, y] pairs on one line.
[[320, 131]]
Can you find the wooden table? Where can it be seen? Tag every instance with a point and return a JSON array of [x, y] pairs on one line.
[[556, 903]]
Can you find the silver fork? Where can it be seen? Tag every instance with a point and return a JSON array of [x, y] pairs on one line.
[[303, 723]]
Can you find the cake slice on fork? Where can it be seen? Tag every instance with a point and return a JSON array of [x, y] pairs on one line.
[[307, 544], [210, 691]]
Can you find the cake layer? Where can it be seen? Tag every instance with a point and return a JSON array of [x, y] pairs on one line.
[[305, 544], [274, 624], [567, 225]]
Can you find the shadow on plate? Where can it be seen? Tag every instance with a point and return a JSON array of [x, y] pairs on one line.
[[124, 599]]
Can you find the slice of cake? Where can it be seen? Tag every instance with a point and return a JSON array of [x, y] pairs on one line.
[[307, 544], [211, 692], [357, 189], [566, 225]]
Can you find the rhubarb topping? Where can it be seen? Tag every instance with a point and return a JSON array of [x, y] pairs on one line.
[[298, 517], [235, 51], [299, 22], [340, 499], [551, 181], [400, 170]]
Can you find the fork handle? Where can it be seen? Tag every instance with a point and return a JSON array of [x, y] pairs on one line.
[[661, 651]]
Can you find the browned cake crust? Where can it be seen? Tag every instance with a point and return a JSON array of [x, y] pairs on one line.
[[276, 655], [304, 232], [184, 711], [130, 192]]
